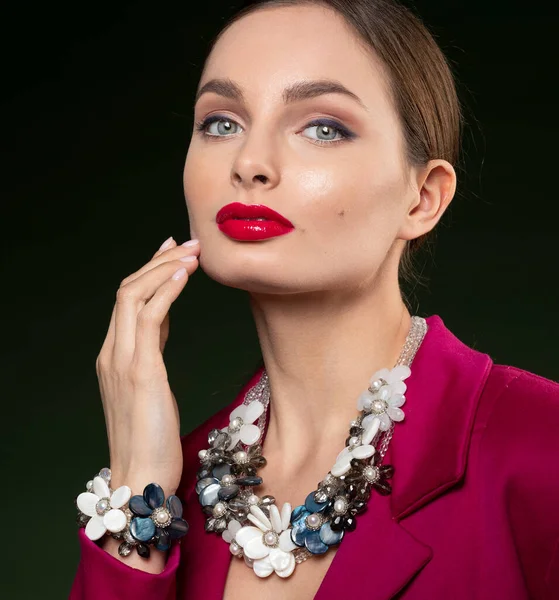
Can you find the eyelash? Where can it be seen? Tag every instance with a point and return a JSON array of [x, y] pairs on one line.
[[201, 126]]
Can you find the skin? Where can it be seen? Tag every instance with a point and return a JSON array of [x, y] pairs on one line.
[[325, 297]]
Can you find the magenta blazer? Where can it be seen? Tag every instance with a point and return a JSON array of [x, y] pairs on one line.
[[474, 512]]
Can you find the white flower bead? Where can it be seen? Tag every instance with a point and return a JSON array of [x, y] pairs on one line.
[[104, 516], [266, 558], [248, 433], [386, 399]]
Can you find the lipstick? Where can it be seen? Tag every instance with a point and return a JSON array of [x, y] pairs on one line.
[[251, 222]]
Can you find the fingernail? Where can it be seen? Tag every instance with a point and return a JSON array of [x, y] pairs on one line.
[[180, 273], [188, 258], [167, 243], [190, 243]]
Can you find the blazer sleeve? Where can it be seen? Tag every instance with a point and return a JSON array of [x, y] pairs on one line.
[[528, 417], [100, 576]]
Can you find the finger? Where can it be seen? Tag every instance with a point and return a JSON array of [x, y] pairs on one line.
[[131, 299], [168, 245], [171, 253], [150, 319]]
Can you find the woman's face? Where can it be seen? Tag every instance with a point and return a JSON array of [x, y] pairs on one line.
[[347, 191]]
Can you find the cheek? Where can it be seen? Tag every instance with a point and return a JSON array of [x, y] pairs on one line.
[[350, 202]]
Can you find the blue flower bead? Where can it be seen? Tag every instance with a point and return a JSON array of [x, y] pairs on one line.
[[156, 521], [210, 490], [316, 541]]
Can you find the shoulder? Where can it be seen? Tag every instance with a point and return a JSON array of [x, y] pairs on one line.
[[518, 400], [518, 418], [517, 456]]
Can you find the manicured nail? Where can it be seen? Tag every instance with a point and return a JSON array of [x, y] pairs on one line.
[[180, 273], [167, 243], [190, 243], [187, 258]]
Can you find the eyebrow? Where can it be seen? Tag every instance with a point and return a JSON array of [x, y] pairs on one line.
[[300, 90]]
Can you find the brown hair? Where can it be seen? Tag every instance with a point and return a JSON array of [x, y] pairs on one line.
[[419, 76]]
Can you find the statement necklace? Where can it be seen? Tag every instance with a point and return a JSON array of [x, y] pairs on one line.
[[273, 540]]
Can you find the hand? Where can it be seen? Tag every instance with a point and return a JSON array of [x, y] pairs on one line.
[[140, 409]]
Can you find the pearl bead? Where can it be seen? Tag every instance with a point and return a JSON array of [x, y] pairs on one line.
[[340, 506], [202, 454], [162, 517], [240, 457], [313, 520], [270, 538], [234, 548], [253, 499], [89, 485], [354, 441], [102, 506], [379, 406], [219, 509], [376, 385], [227, 479], [236, 424]]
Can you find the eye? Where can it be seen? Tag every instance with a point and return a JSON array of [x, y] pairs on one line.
[[329, 129], [224, 126]]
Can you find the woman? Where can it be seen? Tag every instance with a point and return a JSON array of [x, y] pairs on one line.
[[335, 125]]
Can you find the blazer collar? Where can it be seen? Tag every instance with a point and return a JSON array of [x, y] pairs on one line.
[[428, 451]]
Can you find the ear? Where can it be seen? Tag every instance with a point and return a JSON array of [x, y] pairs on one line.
[[436, 186]]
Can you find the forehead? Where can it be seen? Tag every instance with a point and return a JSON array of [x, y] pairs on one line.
[[269, 49]]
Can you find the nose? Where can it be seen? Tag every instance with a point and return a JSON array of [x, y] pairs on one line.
[[254, 166]]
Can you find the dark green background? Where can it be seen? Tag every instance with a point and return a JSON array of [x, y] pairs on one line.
[[97, 123]]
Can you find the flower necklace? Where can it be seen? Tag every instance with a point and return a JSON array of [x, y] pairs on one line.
[[273, 540]]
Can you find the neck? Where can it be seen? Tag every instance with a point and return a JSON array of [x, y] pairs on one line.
[[320, 351]]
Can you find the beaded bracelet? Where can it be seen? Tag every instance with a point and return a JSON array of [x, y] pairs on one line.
[[139, 521]]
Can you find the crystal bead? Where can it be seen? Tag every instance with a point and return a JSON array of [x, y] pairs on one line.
[[212, 435], [82, 519], [124, 549], [220, 525], [143, 550], [105, 474], [203, 472], [267, 500], [128, 537], [320, 496], [209, 525], [350, 523], [337, 523], [358, 506], [312, 506]]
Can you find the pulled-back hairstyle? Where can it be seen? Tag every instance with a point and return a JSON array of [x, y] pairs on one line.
[[419, 77]]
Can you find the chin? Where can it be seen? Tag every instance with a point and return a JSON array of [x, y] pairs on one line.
[[257, 279]]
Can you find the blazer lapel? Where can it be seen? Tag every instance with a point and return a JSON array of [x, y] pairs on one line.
[[428, 452]]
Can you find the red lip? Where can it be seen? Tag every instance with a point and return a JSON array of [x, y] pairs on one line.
[[251, 222]]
